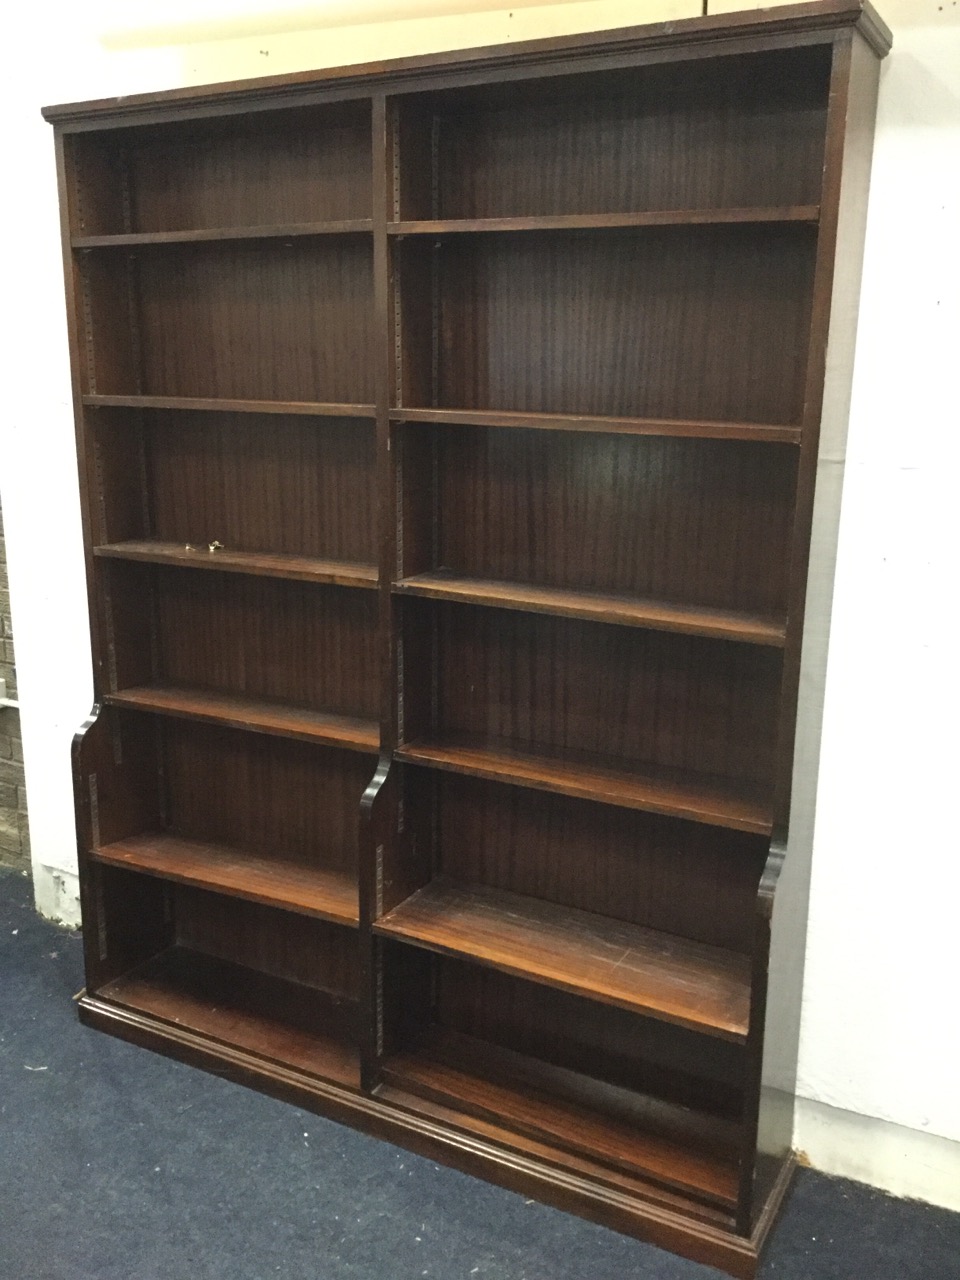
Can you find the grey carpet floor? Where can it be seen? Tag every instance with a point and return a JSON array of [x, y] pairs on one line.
[[117, 1164]]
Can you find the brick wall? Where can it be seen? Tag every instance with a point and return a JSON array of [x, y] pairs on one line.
[[14, 837]]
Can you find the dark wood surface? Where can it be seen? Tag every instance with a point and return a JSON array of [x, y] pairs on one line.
[[294, 643], [451, 798], [533, 1103], [683, 709], [272, 797], [268, 1017], [655, 973], [685, 878], [214, 404], [580, 513], [701, 800], [605, 424], [133, 239], [598, 221], [655, 615], [731, 301], [236, 321], [304, 166], [340, 573], [261, 715], [311, 891]]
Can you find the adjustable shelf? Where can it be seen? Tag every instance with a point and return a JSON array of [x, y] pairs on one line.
[[656, 615], [293, 230], [310, 891], [771, 432], [708, 800], [259, 715], [340, 573], [803, 214], [637, 1137], [203, 998], [214, 405], [673, 979]]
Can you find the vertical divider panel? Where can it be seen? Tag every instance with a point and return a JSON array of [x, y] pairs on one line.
[[381, 821]]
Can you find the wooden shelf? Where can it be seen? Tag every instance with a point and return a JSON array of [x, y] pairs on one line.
[[205, 405], [309, 891], [631, 1133], [130, 240], [340, 573], [672, 979], [770, 432], [709, 800], [232, 1005], [260, 715], [656, 615], [806, 214]]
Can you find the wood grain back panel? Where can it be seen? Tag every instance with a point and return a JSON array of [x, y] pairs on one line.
[[565, 686], [737, 131], [301, 643], [608, 1044], [266, 795], [689, 879], [295, 485], [284, 320], [313, 953], [699, 522], [696, 322], [279, 167]]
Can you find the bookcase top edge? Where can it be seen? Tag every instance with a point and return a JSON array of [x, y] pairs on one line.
[[826, 17]]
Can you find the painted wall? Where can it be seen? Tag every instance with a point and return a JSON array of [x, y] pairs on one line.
[[880, 1038]]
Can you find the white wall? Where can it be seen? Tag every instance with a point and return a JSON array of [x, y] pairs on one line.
[[880, 1029], [880, 1043]]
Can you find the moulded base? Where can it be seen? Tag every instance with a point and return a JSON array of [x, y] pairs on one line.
[[442, 1135]]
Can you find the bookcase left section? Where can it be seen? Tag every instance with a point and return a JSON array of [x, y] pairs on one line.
[[221, 277]]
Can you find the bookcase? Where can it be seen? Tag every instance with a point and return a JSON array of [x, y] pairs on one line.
[[448, 436]]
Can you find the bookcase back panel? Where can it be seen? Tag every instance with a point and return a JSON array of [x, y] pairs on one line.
[[690, 323], [679, 877], [734, 132], [564, 687], [135, 915], [274, 168], [284, 800], [294, 642], [284, 321], [699, 522], [312, 953], [296, 485]]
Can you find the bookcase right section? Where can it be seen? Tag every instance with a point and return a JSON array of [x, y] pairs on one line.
[[604, 296]]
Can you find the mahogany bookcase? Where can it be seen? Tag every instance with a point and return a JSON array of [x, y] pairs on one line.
[[448, 437]]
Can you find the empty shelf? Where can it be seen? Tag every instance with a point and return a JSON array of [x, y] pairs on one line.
[[133, 239], [657, 615], [701, 799], [318, 409], [311, 891], [273, 1018], [261, 715], [672, 979], [342, 573], [769, 432], [805, 213], [632, 1133]]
